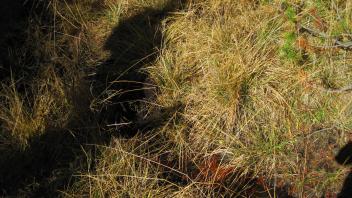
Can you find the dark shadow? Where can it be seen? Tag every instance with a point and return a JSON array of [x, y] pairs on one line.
[[13, 25], [133, 44], [49, 162], [44, 168], [344, 157]]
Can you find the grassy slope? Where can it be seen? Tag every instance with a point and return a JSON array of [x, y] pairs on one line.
[[239, 100]]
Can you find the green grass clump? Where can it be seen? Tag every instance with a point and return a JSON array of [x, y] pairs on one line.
[[290, 13], [288, 49]]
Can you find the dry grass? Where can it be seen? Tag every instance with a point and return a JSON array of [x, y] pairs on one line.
[[25, 115], [253, 91]]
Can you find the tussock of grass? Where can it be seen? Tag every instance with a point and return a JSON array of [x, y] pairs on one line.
[[125, 169], [244, 97], [29, 114]]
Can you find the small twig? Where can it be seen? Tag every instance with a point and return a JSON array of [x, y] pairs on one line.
[[335, 90], [302, 28], [344, 45], [338, 44], [119, 124], [340, 90]]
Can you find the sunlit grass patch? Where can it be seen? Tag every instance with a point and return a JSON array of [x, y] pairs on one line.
[[28, 114]]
